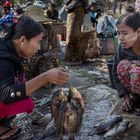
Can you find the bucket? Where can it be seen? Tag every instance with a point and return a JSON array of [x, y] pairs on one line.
[[110, 66]]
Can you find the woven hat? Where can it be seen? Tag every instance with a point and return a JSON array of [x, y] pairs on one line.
[[37, 13]]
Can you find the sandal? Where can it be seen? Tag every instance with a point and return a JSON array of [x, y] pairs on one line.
[[9, 133]]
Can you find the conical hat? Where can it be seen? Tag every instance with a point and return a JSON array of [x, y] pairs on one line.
[[37, 13]]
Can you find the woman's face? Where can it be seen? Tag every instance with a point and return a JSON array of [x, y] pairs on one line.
[[31, 47], [127, 35]]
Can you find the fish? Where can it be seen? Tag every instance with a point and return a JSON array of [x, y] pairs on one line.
[[118, 128], [68, 121], [58, 97], [67, 109], [105, 125], [76, 95]]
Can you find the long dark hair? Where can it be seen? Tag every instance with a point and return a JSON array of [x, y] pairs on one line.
[[25, 26], [130, 19]]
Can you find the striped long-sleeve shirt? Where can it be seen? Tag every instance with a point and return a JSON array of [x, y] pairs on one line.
[[121, 54]]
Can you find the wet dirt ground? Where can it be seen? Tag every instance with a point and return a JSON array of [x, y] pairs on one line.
[[92, 80]]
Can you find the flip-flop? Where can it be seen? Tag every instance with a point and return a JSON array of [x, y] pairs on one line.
[[12, 136]]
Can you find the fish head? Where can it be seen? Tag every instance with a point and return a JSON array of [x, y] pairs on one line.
[[59, 96]]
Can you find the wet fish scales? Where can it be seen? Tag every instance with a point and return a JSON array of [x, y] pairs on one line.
[[67, 111], [105, 125], [118, 129]]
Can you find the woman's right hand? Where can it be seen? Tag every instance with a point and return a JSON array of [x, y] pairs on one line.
[[127, 103], [57, 76]]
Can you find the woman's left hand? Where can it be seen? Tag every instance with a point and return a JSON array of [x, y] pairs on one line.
[[127, 103]]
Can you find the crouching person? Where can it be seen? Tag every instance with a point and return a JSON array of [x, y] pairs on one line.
[[126, 67], [22, 40]]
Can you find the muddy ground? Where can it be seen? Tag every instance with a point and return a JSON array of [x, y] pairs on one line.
[[92, 80]]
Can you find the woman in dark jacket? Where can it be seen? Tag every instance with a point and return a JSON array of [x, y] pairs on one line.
[[126, 67], [23, 40]]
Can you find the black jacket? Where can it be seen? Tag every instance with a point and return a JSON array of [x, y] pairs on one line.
[[10, 69]]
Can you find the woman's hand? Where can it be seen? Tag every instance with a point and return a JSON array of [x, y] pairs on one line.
[[127, 103], [57, 76]]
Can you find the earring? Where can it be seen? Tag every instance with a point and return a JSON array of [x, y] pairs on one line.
[[22, 44]]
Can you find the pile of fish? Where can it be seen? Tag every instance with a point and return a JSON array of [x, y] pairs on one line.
[[67, 110], [111, 126]]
